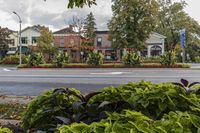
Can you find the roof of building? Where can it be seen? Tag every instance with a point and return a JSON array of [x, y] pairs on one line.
[[67, 30], [34, 27], [158, 34]]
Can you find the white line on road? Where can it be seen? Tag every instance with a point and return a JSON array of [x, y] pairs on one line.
[[108, 73], [95, 76], [5, 69]]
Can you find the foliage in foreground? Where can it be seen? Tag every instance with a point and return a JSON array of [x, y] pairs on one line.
[[135, 122], [158, 104], [5, 130]]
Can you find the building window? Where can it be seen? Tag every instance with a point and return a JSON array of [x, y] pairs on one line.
[[62, 42], [12, 49], [11, 42], [24, 40], [99, 41], [34, 40]]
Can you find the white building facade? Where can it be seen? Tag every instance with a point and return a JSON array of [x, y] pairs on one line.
[[155, 45]]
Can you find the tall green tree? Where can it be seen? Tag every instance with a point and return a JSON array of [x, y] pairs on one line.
[[90, 29], [45, 43], [80, 3], [4, 37], [171, 19], [132, 23]]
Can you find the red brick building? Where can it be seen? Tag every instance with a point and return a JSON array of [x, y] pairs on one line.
[[69, 42]]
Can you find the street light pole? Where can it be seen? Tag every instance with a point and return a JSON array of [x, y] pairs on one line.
[[20, 44]]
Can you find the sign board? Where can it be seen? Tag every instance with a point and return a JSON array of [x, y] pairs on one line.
[[183, 38]]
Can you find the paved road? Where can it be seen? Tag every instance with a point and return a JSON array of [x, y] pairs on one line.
[[33, 81]]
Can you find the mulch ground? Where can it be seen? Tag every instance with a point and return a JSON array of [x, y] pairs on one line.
[[14, 125]]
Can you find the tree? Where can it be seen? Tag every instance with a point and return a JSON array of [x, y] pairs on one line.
[[132, 23], [78, 25], [4, 37], [171, 19], [45, 43], [80, 3], [89, 31]]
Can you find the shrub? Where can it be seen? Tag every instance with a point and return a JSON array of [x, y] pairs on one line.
[[168, 59], [14, 59], [152, 59], [35, 59], [154, 102], [135, 122], [5, 130], [131, 59], [95, 58], [197, 59], [61, 59]]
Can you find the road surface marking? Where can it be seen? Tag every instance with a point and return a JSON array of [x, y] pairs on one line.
[[108, 73], [5, 69]]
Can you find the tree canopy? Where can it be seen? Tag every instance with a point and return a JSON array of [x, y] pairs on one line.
[[45, 42], [171, 19], [89, 31], [132, 23], [4, 37], [80, 3]]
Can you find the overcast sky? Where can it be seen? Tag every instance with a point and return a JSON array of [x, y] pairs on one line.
[[55, 15]]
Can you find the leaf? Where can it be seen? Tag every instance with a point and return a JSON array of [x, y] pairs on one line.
[[87, 97], [194, 83], [185, 82], [178, 84], [104, 103], [64, 119]]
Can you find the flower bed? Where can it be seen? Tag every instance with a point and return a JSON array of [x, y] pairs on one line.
[[113, 65]]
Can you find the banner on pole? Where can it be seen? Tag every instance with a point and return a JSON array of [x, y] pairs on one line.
[[183, 38]]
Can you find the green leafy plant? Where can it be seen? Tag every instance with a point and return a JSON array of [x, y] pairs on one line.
[[131, 59], [186, 85], [93, 111], [95, 58], [197, 59], [136, 122], [66, 106], [168, 59], [14, 59], [35, 59], [60, 59], [5, 130], [152, 59]]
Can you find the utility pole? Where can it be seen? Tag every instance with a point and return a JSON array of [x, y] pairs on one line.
[[20, 44]]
